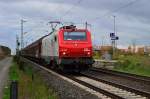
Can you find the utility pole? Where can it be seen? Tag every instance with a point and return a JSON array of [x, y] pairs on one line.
[[17, 44], [113, 41], [114, 37], [102, 40], [114, 24], [133, 45], [22, 42], [21, 34], [86, 25]]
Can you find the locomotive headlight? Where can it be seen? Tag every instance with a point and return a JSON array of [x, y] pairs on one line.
[[64, 53], [88, 53]]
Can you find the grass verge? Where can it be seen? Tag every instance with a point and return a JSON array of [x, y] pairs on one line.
[[28, 87], [134, 64]]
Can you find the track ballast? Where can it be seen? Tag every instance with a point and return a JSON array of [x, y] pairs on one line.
[[107, 88]]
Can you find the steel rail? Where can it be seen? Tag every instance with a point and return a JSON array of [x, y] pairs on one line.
[[122, 74], [109, 94], [121, 86]]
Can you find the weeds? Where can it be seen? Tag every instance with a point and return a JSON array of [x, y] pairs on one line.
[[134, 64]]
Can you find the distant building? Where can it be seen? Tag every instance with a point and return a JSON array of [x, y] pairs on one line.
[[105, 49], [4, 51], [123, 50], [140, 50], [147, 49], [132, 49], [1, 52]]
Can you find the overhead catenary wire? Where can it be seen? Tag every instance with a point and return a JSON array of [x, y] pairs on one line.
[[34, 32], [115, 10], [69, 10], [108, 13], [58, 7]]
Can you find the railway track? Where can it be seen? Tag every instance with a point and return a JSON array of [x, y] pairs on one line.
[[108, 90], [122, 74], [141, 84], [106, 93], [112, 78]]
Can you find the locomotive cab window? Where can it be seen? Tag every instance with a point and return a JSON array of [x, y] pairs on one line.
[[55, 38], [75, 36]]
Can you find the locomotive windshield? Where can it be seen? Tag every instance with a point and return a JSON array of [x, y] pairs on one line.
[[74, 35]]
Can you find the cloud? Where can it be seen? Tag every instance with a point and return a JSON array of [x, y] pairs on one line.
[[132, 22]]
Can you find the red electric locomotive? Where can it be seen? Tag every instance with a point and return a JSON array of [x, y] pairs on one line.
[[68, 48]]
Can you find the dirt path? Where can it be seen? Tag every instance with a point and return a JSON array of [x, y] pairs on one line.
[[4, 67]]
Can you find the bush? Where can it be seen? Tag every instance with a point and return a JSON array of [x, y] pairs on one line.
[[134, 64], [96, 55]]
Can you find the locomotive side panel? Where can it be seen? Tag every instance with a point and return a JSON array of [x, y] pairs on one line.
[[49, 49]]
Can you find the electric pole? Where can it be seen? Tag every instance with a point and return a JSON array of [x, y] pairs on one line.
[[113, 41], [114, 37], [22, 42], [86, 24], [17, 44], [102, 41], [114, 24], [133, 45]]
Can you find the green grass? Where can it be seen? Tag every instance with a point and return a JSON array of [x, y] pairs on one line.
[[14, 72], [28, 88], [96, 55], [6, 93], [135, 64], [13, 75], [35, 89]]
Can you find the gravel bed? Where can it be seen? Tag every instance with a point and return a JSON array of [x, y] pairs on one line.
[[64, 89], [110, 88], [120, 80]]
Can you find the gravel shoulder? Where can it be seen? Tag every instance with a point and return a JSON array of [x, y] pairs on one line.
[[4, 68]]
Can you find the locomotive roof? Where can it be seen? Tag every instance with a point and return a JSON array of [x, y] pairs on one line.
[[66, 28]]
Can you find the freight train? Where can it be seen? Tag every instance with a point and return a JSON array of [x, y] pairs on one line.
[[68, 48]]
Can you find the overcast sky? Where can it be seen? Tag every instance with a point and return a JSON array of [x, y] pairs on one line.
[[132, 19]]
